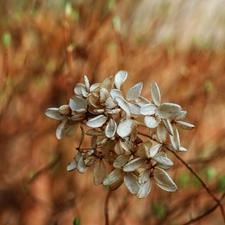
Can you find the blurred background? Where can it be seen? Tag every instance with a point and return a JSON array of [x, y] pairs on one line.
[[47, 47]]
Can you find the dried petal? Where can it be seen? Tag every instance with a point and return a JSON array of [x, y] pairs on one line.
[[130, 180], [97, 121], [103, 94], [124, 105], [108, 83], [134, 92], [167, 110], [154, 150], [86, 83], [125, 127], [53, 113], [70, 130], [168, 126], [116, 93], [181, 115], [144, 189], [161, 133], [141, 101], [134, 108], [100, 172], [150, 122], [148, 109], [134, 164], [175, 139], [93, 132], [185, 125], [77, 103], [72, 165], [163, 160], [110, 129], [114, 179], [64, 110], [155, 93], [120, 161], [163, 180], [60, 129], [109, 103], [81, 166], [120, 77]]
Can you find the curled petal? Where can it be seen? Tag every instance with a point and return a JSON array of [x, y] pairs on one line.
[[60, 129], [81, 166], [168, 126], [72, 165], [155, 93], [124, 105], [97, 121], [175, 139], [110, 129]]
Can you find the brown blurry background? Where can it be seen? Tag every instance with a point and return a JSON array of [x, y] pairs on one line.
[[47, 47]]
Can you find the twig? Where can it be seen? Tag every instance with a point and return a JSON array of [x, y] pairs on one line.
[[106, 207]]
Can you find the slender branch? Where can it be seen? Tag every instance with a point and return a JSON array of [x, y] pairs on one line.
[[106, 207]]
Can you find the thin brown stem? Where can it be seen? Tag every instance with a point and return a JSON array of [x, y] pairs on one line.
[[106, 207]]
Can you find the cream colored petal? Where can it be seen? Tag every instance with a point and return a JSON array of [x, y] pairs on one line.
[[163, 180], [125, 127], [148, 109], [167, 110], [155, 93], [53, 113], [134, 164], [77, 103], [144, 189], [175, 139], [81, 166], [71, 130], [60, 129], [72, 166], [103, 94], [154, 150], [114, 179], [110, 129], [100, 172], [86, 83], [124, 105], [134, 108], [108, 83], [168, 126], [130, 180], [181, 115], [141, 101], [163, 161], [150, 122], [97, 121], [134, 92], [109, 103], [161, 133], [185, 125], [120, 77]]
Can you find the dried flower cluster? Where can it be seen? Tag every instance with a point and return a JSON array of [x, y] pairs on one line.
[[117, 143]]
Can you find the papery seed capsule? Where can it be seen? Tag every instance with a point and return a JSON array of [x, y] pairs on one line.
[[64, 110]]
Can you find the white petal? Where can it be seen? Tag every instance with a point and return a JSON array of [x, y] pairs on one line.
[[116, 93], [124, 105], [120, 77], [154, 150], [103, 94], [185, 125], [71, 129], [181, 115], [175, 139], [114, 179], [100, 172], [77, 103], [53, 113], [141, 101], [161, 133], [86, 82], [155, 93], [167, 110], [60, 129], [72, 165], [110, 129], [125, 127], [163, 160], [148, 109], [109, 103], [134, 92], [81, 166], [168, 126], [94, 87], [134, 108], [150, 122], [144, 189], [97, 121], [163, 180], [134, 164], [108, 83], [130, 180]]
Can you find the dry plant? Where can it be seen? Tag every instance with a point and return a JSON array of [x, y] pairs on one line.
[[131, 138]]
